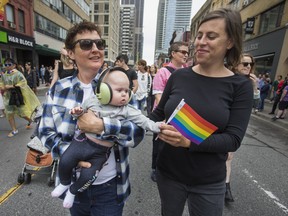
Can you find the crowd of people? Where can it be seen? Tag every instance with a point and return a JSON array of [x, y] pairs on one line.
[[102, 107]]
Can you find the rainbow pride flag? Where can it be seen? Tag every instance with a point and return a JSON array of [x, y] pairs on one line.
[[190, 124]]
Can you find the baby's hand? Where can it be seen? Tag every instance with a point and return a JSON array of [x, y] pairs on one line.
[[76, 110]]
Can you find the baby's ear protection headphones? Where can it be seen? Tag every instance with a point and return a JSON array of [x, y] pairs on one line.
[[104, 91]]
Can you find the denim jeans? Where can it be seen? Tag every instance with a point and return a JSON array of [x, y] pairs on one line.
[[141, 103], [103, 201]]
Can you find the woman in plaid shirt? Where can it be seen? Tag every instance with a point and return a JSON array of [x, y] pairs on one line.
[[57, 128]]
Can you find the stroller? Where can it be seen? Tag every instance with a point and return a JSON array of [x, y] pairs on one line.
[[38, 158]]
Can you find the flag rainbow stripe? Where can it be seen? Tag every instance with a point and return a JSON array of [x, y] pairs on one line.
[[191, 125]]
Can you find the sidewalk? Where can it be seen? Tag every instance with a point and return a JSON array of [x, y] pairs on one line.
[[266, 117], [42, 89]]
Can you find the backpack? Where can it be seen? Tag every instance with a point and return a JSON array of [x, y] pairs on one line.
[[171, 69]]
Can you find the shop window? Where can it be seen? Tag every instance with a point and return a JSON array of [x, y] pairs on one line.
[[264, 64], [21, 21], [271, 19]]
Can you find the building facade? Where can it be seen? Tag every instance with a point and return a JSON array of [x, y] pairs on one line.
[[106, 14], [35, 31], [173, 15], [53, 18], [265, 31], [16, 32], [138, 32], [127, 32]]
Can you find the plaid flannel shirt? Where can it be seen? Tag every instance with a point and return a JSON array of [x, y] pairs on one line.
[[57, 128]]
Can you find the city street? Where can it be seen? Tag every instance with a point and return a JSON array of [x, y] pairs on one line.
[[259, 176]]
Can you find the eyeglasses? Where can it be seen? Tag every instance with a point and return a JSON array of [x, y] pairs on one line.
[[184, 52], [8, 64], [87, 44], [245, 64]]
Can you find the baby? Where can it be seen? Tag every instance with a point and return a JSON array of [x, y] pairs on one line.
[[111, 100]]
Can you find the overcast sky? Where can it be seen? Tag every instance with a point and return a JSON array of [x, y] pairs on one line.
[[149, 26]]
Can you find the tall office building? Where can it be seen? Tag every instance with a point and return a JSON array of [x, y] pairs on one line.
[[106, 14], [127, 32], [138, 34], [173, 15]]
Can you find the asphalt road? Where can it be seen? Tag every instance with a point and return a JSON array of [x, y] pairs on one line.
[[259, 176]]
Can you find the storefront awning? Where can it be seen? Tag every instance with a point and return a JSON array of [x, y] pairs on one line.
[[46, 51]]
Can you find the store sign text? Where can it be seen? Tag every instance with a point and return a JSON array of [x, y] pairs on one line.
[[251, 47], [21, 41]]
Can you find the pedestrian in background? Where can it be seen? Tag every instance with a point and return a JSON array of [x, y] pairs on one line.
[[283, 102], [42, 73], [246, 67], [122, 61], [274, 87], [63, 67], [278, 95], [31, 77], [178, 54], [196, 173], [144, 84], [264, 91], [12, 79], [152, 70], [20, 68], [57, 128], [2, 108], [47, 76]]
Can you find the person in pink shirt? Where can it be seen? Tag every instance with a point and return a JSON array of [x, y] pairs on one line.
[[178, 54]]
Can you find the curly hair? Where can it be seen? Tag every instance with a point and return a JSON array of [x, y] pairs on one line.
[[79, 28]]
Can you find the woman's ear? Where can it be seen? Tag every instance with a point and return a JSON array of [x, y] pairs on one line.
[[71, 54], [230, 44]]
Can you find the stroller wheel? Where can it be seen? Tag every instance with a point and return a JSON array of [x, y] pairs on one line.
[[27, 178], [20, 178], [50, 182]]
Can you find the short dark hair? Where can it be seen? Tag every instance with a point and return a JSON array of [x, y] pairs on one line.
[[143, 63], [79, 28], [175, 47], [9, 60], [233, 29], [123, 57]]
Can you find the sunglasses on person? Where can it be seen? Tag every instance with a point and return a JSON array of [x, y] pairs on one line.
[[8, 64], [245, 64], [87, 44], [184, 52]]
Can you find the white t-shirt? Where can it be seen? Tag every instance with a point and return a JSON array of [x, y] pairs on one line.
[[142, 90], [109, 170]]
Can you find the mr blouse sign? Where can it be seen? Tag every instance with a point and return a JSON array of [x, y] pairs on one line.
[[250, 25], [20, 41]]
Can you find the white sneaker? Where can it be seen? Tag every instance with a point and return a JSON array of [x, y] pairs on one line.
[[13, 133]]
